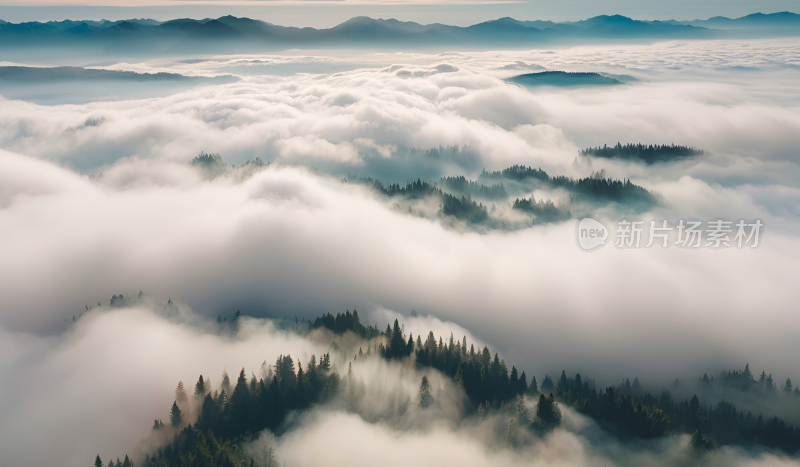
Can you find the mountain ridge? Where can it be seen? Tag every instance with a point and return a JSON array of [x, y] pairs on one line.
[[220, 34]]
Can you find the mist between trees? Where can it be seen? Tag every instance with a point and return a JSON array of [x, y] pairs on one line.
[[496, 200], [407, 382]]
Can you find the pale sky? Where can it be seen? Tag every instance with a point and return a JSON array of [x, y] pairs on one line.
[[329, 13]]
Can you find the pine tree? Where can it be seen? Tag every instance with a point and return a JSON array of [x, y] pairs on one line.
[[222, 399], [533, 388], [459, 378], [547, 384], [175, 417], [748, 376], [514, 380], [98, 462], [563, 385], [425, 398], [302, 383], [325, 364], [397, 344], [522, 411], [226, 382], [523, 383], [200, 387], [548, 415], [180, 394], [351, 385], [700, 444], [240, 405], [787, 388]]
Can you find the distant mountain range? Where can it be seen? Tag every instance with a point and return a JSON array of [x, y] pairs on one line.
[[75, 85], [35, 75], [756, 20], [244, 34]]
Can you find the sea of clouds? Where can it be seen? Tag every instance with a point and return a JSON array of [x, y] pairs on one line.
[[97, 198]]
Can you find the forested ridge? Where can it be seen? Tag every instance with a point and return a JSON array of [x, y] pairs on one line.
[[459, 184], [596, 187], [454, 196], [214, 426], [462, 208], [650, 154]]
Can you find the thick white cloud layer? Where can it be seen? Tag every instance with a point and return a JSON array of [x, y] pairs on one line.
[[287, 241]]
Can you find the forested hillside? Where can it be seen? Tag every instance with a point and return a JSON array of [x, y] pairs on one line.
[[214, 426], [454, 197]]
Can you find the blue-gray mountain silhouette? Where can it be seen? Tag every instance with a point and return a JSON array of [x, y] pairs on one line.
[[232, 34]]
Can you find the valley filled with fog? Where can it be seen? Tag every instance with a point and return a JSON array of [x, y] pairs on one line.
[[290, 184]]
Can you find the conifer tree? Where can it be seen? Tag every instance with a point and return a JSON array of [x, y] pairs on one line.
[[514, 380], [397, 345], [700, 444], [547, 384], [325, 364], [459, 378], [748, 376], [226, 382], [533, 388], [562, 385], [200, 387], [425, 398], [548, 415], [175, 417], [351, 386], [522, 411], [240, 405], [180, 394], [98, 462], [523, 383]]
